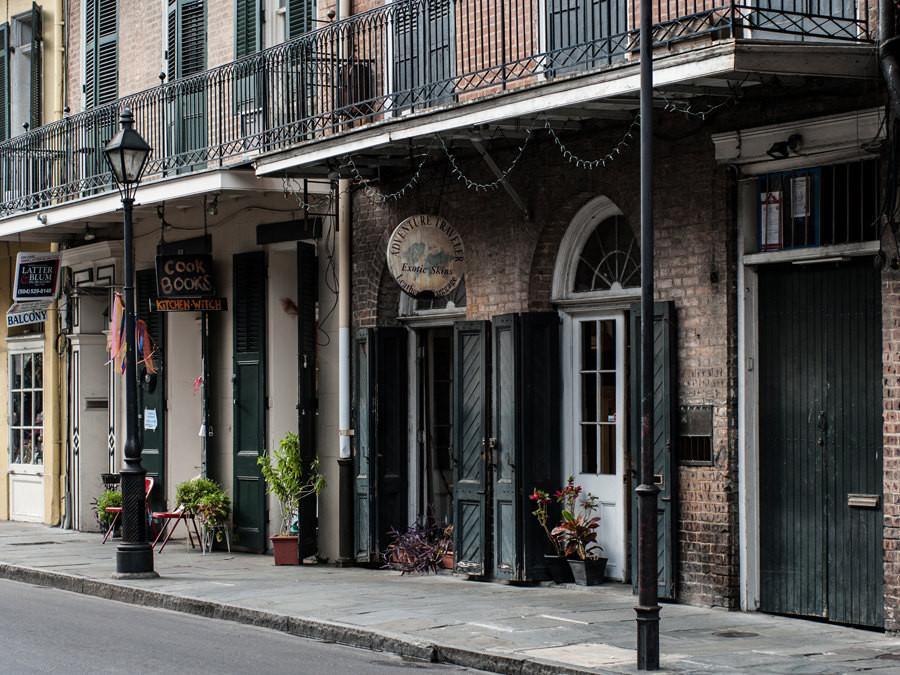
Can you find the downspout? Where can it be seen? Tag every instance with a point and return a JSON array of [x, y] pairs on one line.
[[345, 460], [889, 53], [62, 15], [53, 456]]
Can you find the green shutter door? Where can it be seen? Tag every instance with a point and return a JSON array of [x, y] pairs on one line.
[[37, 42], [101, 47], [471, 425], [821, 442], [392, 422], [249, 382], [247, 33], [365, 456], [301, 15], [504, 446], [186, 54], [307, 404], [4, 81], [424, 52], [664, 421], [152, 391]]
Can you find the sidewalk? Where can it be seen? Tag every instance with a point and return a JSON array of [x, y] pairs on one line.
[[481, 625]]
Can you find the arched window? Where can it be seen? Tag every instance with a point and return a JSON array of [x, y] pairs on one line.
[[599, 256]]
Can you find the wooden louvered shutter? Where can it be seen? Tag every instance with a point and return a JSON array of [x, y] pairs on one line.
[[4, 81], [247, 33], [301, 16], [192, 38], [250, 404], [172, 41], [307, 404], [365, 455], [101, 47], [36, 49], [152, 389]]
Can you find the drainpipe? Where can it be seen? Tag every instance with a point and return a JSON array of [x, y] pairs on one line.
[[889, 53], [345, 461], [62, 13], [53, 457]]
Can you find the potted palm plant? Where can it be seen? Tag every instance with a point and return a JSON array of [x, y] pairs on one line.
[[578, 534], [289, 481]]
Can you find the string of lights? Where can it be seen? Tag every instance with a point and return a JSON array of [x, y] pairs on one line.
[[296, 191], [376, 196], [493, 185], [687, 107], [589, 164]]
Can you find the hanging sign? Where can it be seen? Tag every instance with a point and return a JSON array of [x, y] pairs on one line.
[[425, 255], [24, 313], [37, 277], [184, 276], [188, 304]]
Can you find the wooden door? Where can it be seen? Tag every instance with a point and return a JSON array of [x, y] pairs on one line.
[[307, 401], [250, 399], [152, 392], [820, 441], [364, 456]]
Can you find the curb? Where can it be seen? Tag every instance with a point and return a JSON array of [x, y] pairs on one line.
[[316, 629]]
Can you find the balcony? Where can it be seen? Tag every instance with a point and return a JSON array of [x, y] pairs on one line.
[[390, 65]]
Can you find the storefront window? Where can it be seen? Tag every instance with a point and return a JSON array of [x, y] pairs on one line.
[[598, 396], [26, 443]]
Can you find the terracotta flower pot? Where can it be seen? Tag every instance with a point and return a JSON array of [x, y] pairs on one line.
[[590, 572], [448, 560], [286, 549]]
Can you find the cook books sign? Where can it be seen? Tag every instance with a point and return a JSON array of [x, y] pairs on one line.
[[37, 277], [426, 257]]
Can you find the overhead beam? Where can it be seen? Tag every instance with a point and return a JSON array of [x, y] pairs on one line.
[[510, 190]]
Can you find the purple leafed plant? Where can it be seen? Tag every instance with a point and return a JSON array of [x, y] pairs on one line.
[[420, 549]]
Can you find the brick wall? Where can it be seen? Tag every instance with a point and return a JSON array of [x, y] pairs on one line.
[[141, 45], [510, 261], [891, 360]]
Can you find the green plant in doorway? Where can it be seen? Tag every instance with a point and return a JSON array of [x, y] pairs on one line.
[[107, 498], [207, 501], [288, 480]]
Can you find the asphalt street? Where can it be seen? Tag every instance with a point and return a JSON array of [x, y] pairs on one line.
[[51, 631]]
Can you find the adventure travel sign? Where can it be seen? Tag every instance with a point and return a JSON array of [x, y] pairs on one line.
[[426, 257]]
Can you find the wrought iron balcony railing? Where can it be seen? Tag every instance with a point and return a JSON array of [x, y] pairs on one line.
[[405, 56]]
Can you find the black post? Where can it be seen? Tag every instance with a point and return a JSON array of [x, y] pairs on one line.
[[134, 556], [647, 609]]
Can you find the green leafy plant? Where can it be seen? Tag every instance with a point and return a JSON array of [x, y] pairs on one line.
[[288, 480], [106, 499], [205, 499], [189, 493], [577, 532], [542, 500]]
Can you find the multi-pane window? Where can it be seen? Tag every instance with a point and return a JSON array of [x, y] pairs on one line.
[[821, 206], [610, 259], [599, 413], [26, 378]]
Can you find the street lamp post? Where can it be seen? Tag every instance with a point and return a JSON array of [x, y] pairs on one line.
[[127, 155]]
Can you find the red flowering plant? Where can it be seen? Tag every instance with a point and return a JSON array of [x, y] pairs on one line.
[[578, 530], [542, 501]]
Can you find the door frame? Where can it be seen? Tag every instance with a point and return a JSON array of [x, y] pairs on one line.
[[615, 309], [748, 376]]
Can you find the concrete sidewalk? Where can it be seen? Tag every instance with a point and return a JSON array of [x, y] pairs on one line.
[[487, 626]]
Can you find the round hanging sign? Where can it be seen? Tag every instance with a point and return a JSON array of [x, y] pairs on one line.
[[425, 255]]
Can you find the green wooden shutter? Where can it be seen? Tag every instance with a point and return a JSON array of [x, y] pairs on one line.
[[247, 27], [525, 445], [152, 390], [407, 50], [101, 53], [392, 420], [307, 404], [172, 40], [300, 18], [4, 81], [192, 38], [250, 401], [37, 42], [365, 456], [665, 407], [471, 426]]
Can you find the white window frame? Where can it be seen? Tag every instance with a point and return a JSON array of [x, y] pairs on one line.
[[18, 350]]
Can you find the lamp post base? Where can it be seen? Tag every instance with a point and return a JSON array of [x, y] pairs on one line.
[[135, 561]]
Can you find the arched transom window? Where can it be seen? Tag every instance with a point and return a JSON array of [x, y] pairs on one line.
[[610, 258]]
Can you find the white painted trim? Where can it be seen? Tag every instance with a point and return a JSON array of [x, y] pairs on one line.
[[825, 139], [90, 254], [812, 253]]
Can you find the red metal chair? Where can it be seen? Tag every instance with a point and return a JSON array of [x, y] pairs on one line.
[[117, 510], [172, 518]]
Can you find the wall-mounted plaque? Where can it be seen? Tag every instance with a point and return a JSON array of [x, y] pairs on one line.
[[425, 255]]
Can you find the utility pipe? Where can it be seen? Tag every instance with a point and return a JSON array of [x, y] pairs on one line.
[[889, 53]]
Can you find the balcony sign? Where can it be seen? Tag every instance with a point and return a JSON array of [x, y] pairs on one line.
[[37, 277], [184, 276], [425, 256], [24, 313]]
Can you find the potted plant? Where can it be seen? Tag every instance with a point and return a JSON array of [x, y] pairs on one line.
[[288, 480], [578, 534], [421, 549], [106, 499], [207, 502], [556, 561]]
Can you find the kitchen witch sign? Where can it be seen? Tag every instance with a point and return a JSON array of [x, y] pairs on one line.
[[426, 257]]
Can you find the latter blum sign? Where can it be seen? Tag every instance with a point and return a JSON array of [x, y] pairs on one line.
[[37, 277], [425, 255]]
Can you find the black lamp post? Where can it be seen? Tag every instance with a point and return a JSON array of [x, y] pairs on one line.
[[127, 155]]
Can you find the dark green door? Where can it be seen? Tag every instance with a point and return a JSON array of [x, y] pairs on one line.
[[820, 441], [365, 458], [525, 450], [249, 382], [664, 421], [471, 424], [152, 392], [307, 401]]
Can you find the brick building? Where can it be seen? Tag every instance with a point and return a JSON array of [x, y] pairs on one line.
[[511, 128]]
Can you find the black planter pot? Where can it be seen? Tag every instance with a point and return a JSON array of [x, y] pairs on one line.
[[590, 572], [559, 569]]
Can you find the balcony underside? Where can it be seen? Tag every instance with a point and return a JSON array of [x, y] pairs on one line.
[[711, 73]]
